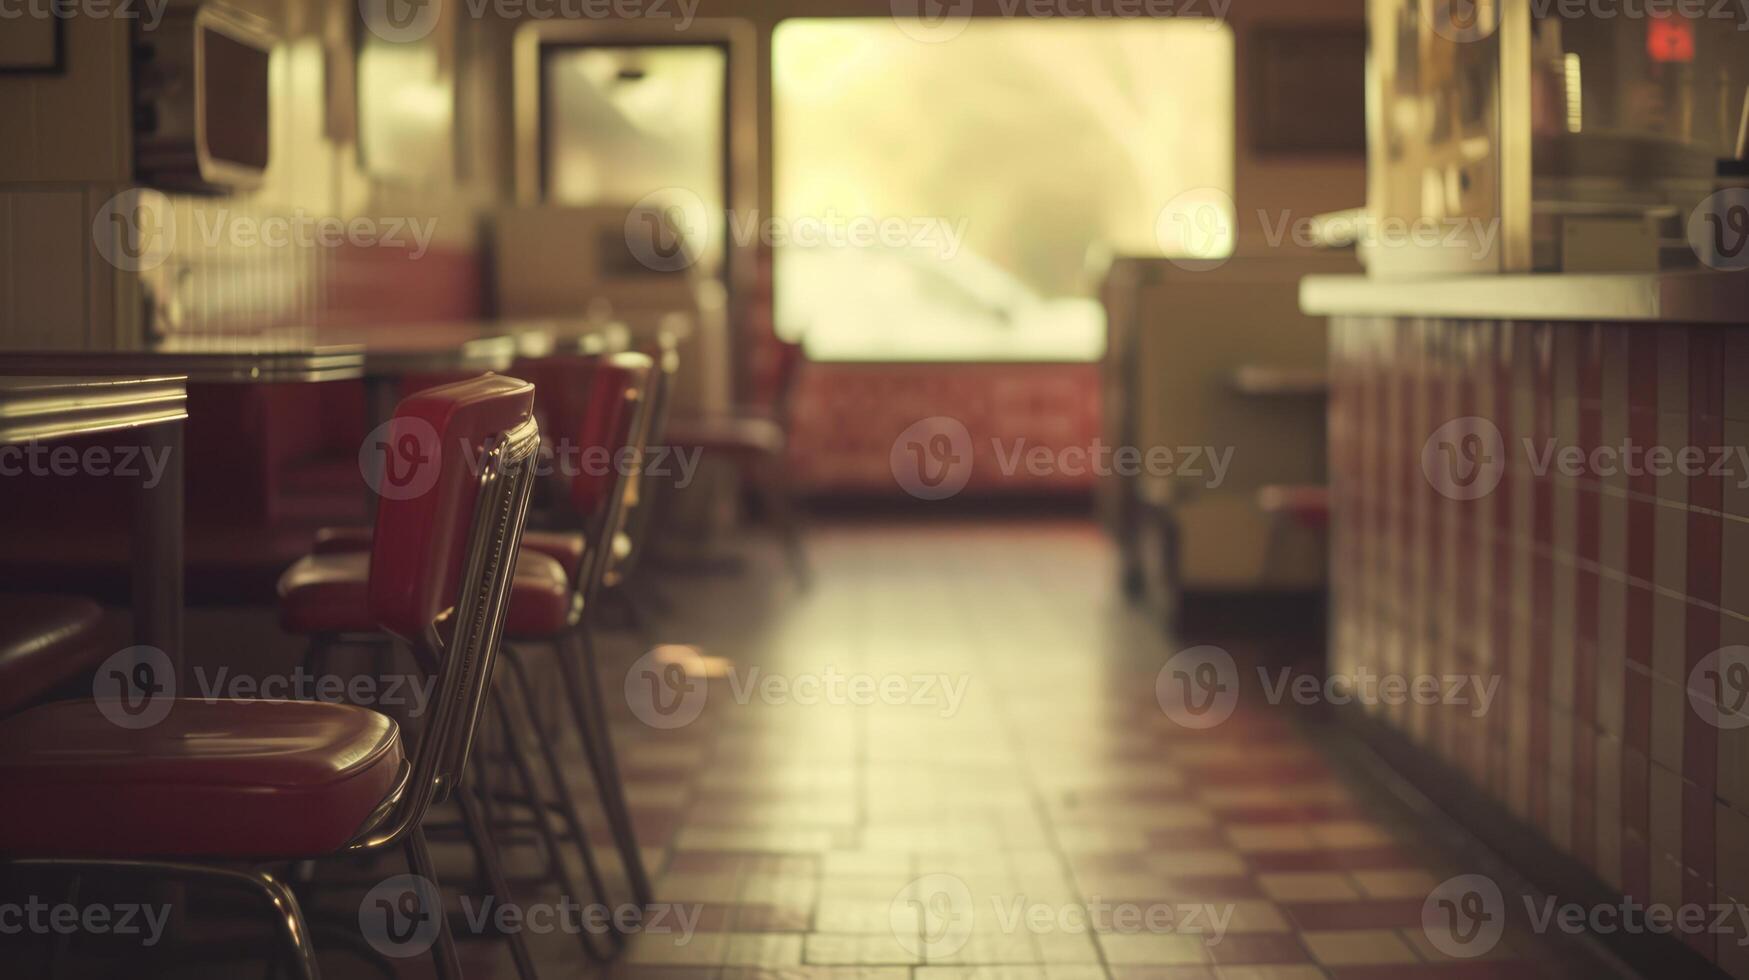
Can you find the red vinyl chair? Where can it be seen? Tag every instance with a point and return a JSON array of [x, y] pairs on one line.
[[319, 597], [217, 782], [45, 642], [755, 441]]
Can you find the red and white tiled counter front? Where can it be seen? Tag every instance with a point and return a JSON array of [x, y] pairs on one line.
[[1562, 505]]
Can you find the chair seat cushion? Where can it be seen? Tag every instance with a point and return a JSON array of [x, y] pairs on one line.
[[564, 547], [213, 779], [45, 640], [331, 594], [727, 434]]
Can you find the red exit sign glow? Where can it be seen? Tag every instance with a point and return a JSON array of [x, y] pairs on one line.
[[1670, 39]]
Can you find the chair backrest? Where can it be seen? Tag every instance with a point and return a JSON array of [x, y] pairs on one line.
[[623, 398], [616, 388], [785, 379], [444, 554], [640, 494]]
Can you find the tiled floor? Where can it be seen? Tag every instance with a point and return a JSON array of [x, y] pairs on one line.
[[947, 761]]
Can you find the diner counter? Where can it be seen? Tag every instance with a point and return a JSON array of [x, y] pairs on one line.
[[1665, 297]]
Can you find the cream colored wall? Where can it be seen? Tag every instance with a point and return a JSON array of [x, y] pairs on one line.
[[64, 154], [73, 153]]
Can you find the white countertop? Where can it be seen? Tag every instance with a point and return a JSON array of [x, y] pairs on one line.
[[1669, 297]]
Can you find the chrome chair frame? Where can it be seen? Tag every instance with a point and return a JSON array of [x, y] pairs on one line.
[[465, 667]]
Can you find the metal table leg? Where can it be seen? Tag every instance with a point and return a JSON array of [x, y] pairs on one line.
[[158, 548]]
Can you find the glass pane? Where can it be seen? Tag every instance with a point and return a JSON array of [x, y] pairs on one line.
[[941, 201], [642, 125], [406, 106]]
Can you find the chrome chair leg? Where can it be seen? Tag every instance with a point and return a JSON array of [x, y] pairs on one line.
[[542, 826], [288, 917], [566, 803], [479, 836], [576, 654], [443, 955]]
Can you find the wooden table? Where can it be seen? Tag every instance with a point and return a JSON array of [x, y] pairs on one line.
[[47, 408]]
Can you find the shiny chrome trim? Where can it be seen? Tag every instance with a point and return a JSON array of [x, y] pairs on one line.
[[48, 408], [214, 361]]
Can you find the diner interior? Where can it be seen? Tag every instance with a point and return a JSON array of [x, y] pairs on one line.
[[874, 489]]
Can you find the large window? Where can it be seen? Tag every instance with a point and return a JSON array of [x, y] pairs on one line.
[[942, 201]]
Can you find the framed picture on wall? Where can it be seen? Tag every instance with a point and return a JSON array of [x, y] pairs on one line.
[[33, 46]]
